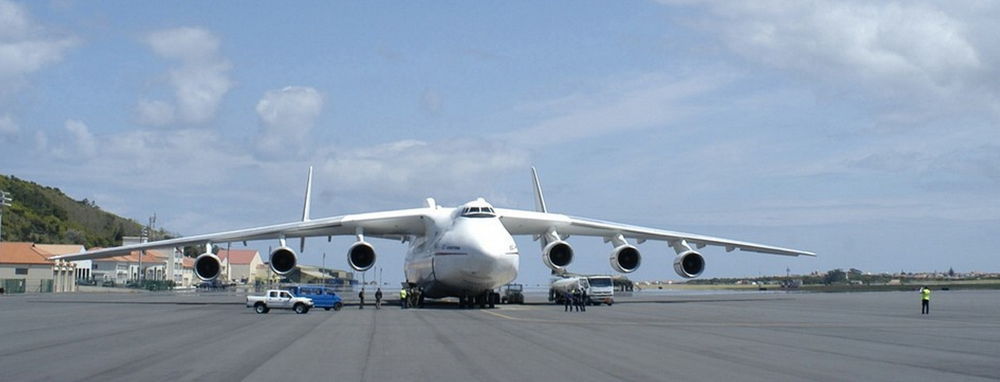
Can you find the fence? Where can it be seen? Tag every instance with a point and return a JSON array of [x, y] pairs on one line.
[[23, 286]]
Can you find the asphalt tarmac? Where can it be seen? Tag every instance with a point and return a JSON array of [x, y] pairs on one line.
[[878, 336]]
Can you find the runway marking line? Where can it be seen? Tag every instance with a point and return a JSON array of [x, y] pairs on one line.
[[802, 325], [502, 315]]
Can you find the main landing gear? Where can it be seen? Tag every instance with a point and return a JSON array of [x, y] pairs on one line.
[[483, 300]]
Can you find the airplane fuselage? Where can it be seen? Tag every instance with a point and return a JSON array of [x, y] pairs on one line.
[[462, 254]]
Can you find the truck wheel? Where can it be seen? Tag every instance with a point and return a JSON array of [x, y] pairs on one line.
[[611, 302], [260, 308], [300, 308], [338, 306]]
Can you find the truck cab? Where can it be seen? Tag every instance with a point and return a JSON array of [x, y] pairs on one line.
[[601, 290]]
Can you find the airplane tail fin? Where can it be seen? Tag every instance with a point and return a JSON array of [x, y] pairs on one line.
[[539, 203], [309, 186], [539, 199], [306, 206]]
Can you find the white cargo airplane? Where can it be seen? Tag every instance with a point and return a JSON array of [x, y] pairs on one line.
[[463, 252]]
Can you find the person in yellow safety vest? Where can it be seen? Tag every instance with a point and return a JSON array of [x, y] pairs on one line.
[[402, 298], [925, 300]]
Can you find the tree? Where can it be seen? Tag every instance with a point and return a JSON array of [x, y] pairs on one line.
[[834, 276]]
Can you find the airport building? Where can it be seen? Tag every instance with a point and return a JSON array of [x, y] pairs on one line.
[[126, 268], [239, 265], [82, 267], [26, 268]]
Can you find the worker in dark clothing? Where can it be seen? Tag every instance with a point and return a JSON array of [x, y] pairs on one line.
[[378, 298], [567, 301], [925, 300], [418, 299], [583, 300], [576, 300], [361, 296]]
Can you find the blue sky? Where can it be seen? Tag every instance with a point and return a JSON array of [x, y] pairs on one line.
[[866, 132]]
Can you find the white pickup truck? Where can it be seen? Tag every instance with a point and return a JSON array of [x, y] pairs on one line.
[[279, 299]]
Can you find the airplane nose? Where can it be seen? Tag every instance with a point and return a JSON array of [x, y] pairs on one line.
[[490, 265]]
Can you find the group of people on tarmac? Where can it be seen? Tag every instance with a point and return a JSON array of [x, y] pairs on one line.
[[378, 298], [408, 297], [577, 299]]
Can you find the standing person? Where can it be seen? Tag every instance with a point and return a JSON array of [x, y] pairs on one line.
[[361, 296], [925, 300], [583, 300], [567, 301], [378, 298], [576, 300], [402, 298]]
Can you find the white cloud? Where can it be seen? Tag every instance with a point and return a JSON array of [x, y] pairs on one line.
[[8, 127], [181, 160], [199, 83], [646, 102], [413, 167], [41, 141], [25, 47], [923, 54], [84, 143], [155, 113], [287, 116]]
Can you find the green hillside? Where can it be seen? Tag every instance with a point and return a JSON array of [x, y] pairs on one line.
[[43, 214]]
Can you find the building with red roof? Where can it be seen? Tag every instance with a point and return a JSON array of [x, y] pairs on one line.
[[239, 264], [24, 268]]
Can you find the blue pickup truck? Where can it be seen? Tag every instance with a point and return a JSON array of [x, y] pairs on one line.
[[322, 296]]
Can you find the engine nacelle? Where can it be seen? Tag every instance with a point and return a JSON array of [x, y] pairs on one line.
[[689, 264], [625, 258], [283, 260], [361, 256], [557, 255], [207, 266]]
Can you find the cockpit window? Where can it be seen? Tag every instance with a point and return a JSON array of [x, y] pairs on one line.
[[478, 212]]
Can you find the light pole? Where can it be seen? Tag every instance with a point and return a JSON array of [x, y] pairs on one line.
[[5, 201]]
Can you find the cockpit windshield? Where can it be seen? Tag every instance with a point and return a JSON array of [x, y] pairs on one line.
[[478, 212]]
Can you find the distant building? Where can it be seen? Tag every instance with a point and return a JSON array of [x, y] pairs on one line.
[[125, 268], [24, 268], [187, 272], [308, 274], [239, 264], [82, 271]]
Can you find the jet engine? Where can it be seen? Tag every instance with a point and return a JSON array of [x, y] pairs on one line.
[[283, 260], [207, 266], [625, 258], [361, 256], [689, 264], [557, 255]]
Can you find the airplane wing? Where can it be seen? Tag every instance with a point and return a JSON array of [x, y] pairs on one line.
[[385, 224], [521, 222]]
